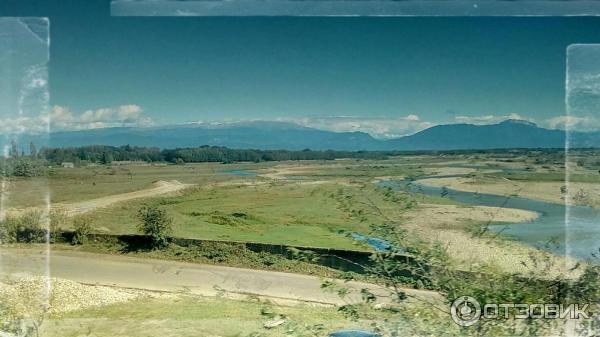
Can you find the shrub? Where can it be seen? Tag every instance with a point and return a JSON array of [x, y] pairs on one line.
[[59, 220], [23, 167], [8, 230], [82, 227], [30, 229], [157, 224], [26, 228]]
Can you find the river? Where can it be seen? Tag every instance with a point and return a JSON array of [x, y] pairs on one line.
[[565, 230]]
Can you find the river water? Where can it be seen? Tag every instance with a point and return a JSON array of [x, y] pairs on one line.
[[566, 230]]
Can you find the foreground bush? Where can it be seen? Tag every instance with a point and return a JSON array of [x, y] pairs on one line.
[[26, 228], [58, 221], [24, 167], [157, 224], [83, 228]]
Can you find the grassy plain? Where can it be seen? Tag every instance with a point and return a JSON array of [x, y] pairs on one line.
[[303, 210], [305, 215]]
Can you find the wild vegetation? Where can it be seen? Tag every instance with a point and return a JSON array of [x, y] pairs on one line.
[[433, 268], [155, 223], [25, 167], [26, 228]]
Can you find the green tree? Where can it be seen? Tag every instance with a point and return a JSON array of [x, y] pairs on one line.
[[24, 167], [157, 224], [107, 158]]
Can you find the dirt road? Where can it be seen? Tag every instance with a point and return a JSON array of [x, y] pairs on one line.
[[170, 276], [160, 187]]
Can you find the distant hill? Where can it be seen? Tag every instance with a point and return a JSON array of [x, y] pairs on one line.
[[508, 134], [280, 135], [249, 135]]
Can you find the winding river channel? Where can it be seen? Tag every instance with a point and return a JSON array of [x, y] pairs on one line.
[[566, 230]]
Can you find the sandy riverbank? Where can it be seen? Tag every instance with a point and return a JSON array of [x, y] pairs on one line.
[[448, 225], [549, 191]]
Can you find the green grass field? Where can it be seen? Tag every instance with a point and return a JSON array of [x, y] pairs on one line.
[[310, 210], [303, 215]]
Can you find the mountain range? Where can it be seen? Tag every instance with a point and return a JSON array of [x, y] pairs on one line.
[[289, 136]]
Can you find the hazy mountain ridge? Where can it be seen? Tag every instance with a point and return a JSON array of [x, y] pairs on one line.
[[507, 134], [283, 135]]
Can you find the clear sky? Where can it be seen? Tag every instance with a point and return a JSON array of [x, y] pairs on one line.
[[387, 76]]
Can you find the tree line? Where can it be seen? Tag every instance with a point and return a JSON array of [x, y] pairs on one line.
[[36, 161], [103, 154], [108, 154]]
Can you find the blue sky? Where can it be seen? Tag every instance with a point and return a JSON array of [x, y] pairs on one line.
[[386, 76]]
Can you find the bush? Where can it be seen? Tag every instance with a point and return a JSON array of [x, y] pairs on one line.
[[26, 228], [82, 227], [24, 167], [59, 220], [157, 224], [8, 230]]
